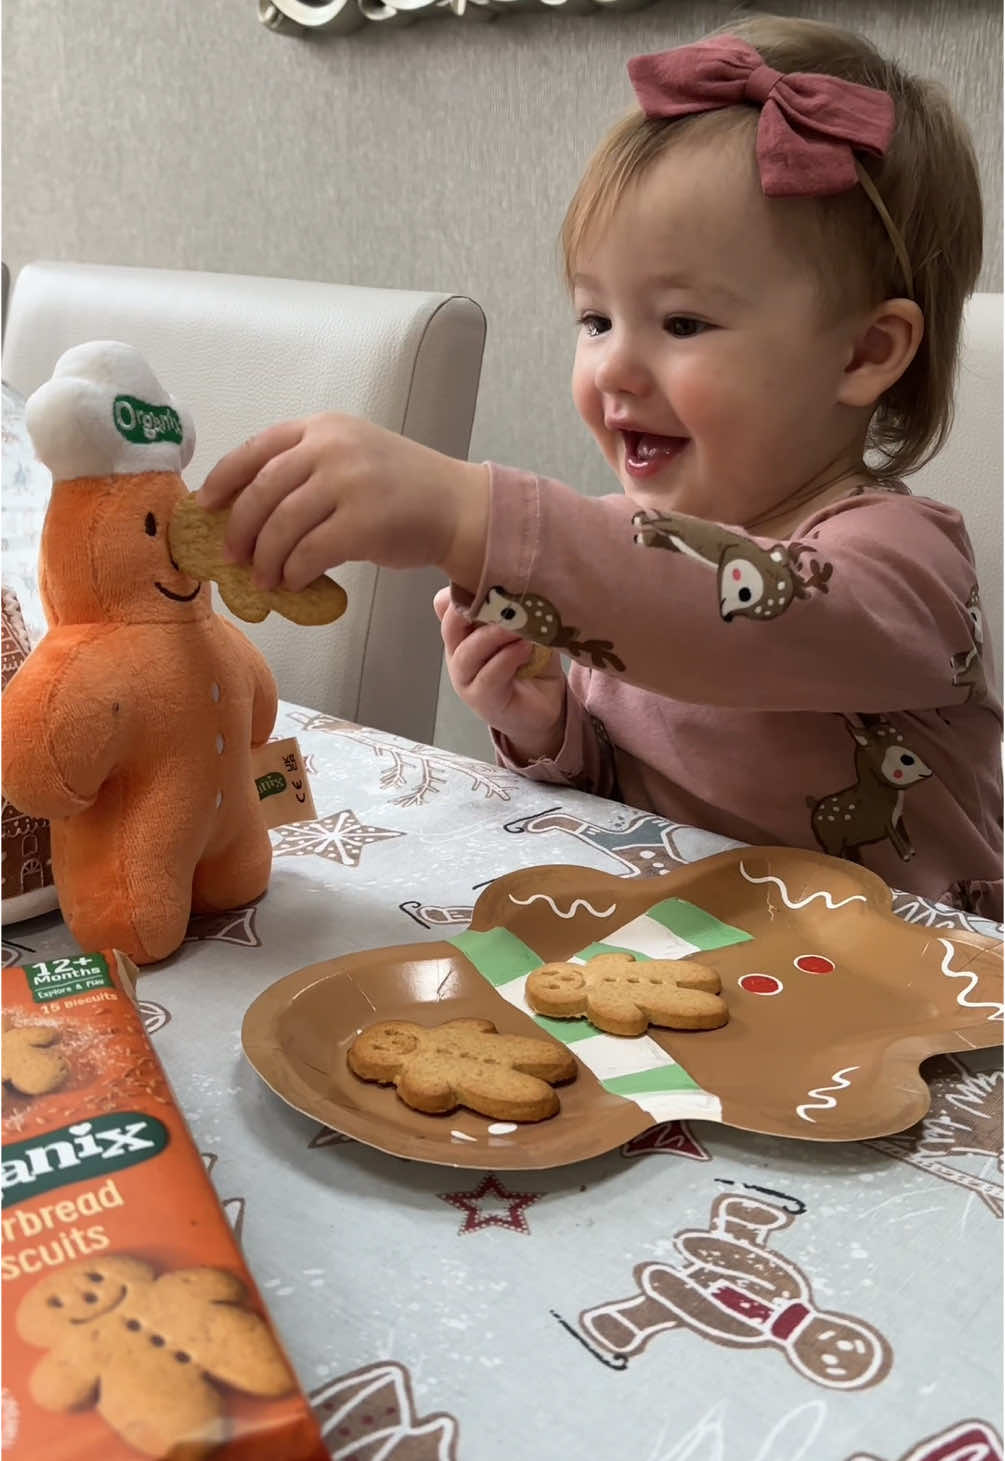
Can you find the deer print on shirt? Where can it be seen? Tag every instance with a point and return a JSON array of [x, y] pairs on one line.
[[537, 619], [753, 582], [968, 665], [871, 810]]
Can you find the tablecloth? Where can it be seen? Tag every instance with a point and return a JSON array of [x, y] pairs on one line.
[[701, 1294]]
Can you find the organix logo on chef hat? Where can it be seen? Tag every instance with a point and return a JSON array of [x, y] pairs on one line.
[[104, 414]]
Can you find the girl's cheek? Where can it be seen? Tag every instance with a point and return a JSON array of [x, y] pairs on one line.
[[704, 402]]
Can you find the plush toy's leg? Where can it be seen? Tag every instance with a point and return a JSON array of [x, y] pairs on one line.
[[142, 910], [234, 875]]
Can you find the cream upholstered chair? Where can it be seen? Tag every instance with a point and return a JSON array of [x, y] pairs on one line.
[[967, 473], [242, 353]]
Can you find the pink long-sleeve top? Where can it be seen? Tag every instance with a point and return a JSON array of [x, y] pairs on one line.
[[827, 691]]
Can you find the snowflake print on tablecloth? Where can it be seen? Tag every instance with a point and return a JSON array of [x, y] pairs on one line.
[[234, 927], [413, 759], [340, 838], [481, 1206]]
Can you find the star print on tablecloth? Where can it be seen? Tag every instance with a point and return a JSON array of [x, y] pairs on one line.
[[672, 1137], [340, 837], [476, 1206], [234, 927]]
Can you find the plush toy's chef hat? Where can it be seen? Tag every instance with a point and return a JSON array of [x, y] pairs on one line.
[[104, 413]]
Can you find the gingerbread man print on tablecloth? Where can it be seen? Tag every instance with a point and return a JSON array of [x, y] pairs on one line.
[[725, 1285]]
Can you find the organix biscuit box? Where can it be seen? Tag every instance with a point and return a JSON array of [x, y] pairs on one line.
[[131, 1326]]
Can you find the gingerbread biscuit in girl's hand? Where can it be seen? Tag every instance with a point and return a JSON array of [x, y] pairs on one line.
[[131, 724], [197, 538]]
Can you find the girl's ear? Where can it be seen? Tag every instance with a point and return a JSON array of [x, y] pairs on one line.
[[883, 348]]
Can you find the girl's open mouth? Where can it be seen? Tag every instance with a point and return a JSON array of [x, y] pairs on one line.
[[646, 454]]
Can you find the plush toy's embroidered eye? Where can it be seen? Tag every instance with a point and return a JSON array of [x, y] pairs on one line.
[[151, 525]]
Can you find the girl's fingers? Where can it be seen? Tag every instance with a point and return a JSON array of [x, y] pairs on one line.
[[454, 628], [483, 647], [279, 477], [234, 471], [317, 551], [283, 549], [441, 602]]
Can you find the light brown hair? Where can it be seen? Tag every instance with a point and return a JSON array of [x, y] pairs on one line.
[[928, 181]]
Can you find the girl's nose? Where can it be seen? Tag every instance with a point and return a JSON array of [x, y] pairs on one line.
[[621, 370]]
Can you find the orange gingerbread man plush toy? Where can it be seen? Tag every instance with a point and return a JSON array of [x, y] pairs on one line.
[[131, 725]]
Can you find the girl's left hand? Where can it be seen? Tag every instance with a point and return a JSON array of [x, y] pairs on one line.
[[308, 495]]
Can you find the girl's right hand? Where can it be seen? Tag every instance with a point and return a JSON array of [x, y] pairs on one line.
[[482, 661]]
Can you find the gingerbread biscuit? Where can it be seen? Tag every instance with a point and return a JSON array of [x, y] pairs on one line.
[[150, 1352], [28, 1063], [536, 663], [196, 537], [624, 996], [464, 1063]]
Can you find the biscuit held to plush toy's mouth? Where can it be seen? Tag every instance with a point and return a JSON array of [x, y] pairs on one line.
[[196, 539]]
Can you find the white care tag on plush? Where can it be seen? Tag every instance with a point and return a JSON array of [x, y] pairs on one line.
[[281, 778], [105, 414]]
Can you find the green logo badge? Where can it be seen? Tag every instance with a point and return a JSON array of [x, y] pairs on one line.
[[79, 1153], [59, 978], [270, 785], [144, 424]]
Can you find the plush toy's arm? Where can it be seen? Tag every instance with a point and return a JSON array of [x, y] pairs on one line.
[[265, 702], [64, 725]]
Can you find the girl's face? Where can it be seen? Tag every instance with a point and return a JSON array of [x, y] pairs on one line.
[[704, 365]]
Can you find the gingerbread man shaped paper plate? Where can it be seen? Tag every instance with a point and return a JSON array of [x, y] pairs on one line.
[[833, 1004]]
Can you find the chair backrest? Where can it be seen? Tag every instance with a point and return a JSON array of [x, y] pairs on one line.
[[967, 473], [242, 353]]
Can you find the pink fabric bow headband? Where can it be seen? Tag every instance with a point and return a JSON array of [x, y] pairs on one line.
[[810, 128]]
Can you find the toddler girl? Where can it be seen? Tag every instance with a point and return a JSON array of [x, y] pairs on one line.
[[769, 636]]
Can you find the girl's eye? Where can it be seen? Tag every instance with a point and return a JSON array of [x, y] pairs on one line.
[[683, 327], [594, 324]]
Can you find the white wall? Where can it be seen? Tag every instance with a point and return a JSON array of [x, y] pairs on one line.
[[439, 156]]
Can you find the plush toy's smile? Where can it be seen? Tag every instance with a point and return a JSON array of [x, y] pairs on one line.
[[169, 594], [178, 598]]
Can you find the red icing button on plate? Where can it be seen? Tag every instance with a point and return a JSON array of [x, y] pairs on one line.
[[761, 984], [814, 964]]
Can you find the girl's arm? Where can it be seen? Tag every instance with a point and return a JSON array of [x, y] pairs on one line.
[[872, 607]]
